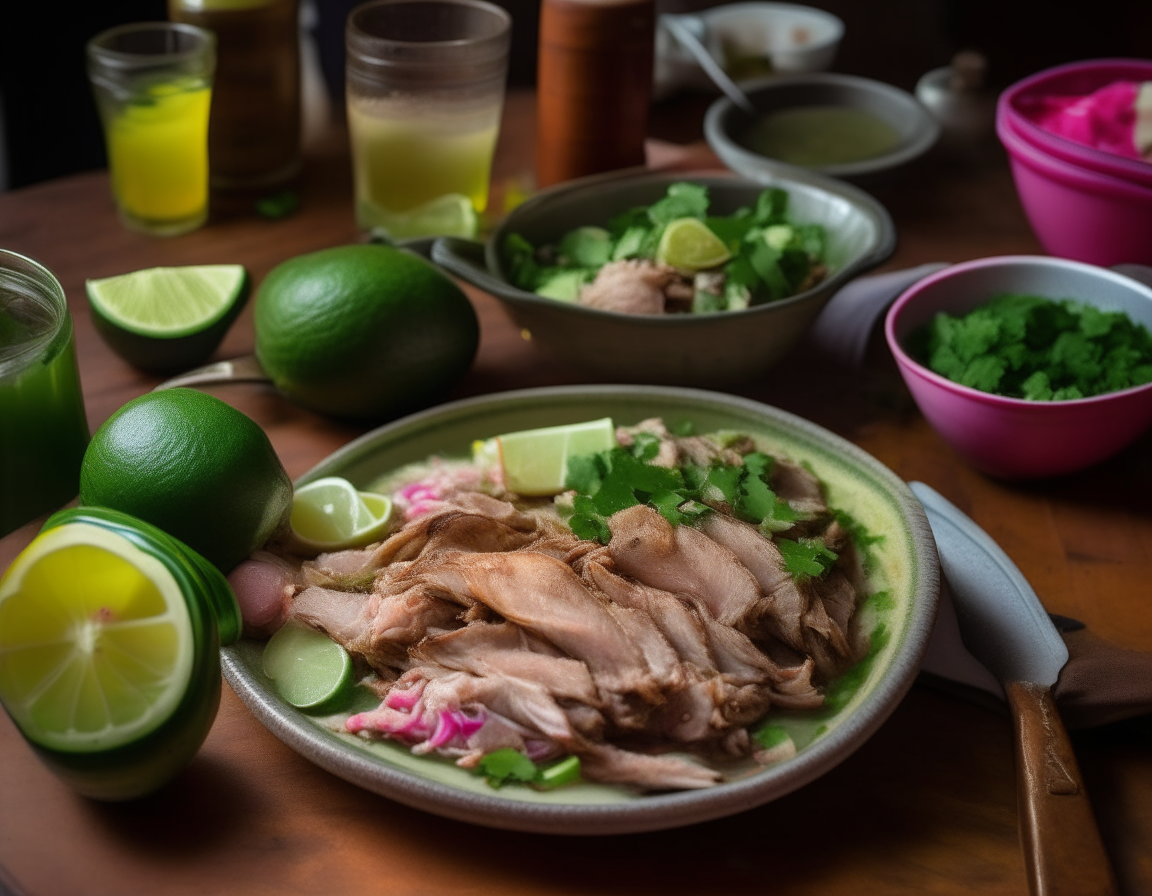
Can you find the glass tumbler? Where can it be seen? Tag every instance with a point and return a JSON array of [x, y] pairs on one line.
[[43, 427], [153, 87], [425, 90]]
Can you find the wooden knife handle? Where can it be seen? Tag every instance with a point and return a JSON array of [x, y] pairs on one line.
[[1062, 846]]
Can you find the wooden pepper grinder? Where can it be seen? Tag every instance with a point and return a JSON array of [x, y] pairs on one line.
[[594, 86]]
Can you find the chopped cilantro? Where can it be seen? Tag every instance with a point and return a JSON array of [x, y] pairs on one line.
[[508, 766], [505, 766], [806, 558], [771, 256], [769, 736], [619, 478], [1039, 349]]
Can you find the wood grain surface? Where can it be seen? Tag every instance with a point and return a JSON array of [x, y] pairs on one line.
[[926, 806]]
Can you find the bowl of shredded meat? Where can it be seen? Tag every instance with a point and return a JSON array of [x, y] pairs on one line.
[[711, 606], [677, 279]]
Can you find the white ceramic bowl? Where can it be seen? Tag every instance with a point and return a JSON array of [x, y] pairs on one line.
[[791, 37]]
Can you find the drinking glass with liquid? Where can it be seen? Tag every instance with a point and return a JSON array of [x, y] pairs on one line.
[[254, 134], [425, 91], [43, 427], [153, 88]]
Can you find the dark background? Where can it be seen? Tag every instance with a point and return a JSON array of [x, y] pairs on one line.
[[51, 125]]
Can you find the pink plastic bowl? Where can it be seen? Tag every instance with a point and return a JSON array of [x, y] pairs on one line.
[[1017, 104], [1007, 437], [1077, 212]]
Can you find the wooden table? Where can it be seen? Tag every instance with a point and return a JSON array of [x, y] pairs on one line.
[[928, 805]]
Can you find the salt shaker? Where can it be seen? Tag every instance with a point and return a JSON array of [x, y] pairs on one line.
[[594, 86]]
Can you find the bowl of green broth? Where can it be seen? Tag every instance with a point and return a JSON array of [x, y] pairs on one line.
[[838, 125]]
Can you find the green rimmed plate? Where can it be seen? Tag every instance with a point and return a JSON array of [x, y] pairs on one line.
[[906, 570]]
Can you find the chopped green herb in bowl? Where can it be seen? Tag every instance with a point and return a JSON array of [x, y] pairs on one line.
[[1028, 366], [673, 256], [1025, 346]]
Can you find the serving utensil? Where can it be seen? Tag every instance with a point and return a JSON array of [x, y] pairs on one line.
[[1004, 625], [690, 30]]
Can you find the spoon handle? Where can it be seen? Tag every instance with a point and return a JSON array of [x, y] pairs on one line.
[[1062, 847], [708, 62], [245, 369]]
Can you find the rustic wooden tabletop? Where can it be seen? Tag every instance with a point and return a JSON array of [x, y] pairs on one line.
[[927, 805]]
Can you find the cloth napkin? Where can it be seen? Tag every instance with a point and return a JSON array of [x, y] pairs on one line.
[[1100, 683]]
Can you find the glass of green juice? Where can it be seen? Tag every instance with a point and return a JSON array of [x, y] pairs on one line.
[[43, 427], [153, 88], [425, 90]]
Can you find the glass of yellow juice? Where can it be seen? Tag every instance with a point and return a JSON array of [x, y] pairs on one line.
[[43, 426], [153, 87], [425, 90]]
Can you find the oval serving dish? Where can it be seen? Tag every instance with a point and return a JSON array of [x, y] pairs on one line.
[[906, 569]]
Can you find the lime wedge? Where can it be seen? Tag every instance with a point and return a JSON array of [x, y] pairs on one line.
[[535, 461], [330, 514], [689, 244], [166, 319], [450, 215], [96, 643], [309, 669]]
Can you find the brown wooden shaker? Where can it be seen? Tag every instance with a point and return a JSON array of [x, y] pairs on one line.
[[594, 86]]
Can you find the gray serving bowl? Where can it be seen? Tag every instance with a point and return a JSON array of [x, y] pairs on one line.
[[719, 349], [725, 124]]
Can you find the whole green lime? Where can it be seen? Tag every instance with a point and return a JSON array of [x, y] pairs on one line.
[[193, 466], [363, 331]]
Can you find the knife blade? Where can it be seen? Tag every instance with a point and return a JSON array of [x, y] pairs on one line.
[[1004, 626]]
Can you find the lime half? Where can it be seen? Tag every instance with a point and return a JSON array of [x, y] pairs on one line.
[[330, 514], [689, 244], [535, 461], [309, 669], [167, 319], [108, 651]]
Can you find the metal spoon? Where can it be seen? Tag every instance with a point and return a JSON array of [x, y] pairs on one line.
[[687, 29]]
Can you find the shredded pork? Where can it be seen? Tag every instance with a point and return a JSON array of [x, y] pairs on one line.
[[486, 623]]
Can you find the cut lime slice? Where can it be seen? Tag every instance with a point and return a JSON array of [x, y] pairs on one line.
[[689, 244], [535, 461], [166, 319], [96, 643], [450, 215], [330, 514], [309, 669]]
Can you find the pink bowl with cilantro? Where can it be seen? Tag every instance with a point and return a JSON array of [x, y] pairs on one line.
[[1014, 438]]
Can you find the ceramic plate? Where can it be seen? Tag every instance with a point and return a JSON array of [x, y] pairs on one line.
[[906, 572]]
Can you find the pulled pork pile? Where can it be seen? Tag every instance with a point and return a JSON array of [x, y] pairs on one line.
[[488, 624]]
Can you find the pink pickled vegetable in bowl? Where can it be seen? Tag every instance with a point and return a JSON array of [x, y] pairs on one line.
[[1090, 114], [1075, 211], [1014, 438]]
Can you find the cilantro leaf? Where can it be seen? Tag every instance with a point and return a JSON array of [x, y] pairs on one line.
[[505, 766], [806, 558]]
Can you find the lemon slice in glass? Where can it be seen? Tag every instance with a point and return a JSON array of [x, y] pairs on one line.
[[449, 215], [330, 514], [535, 461], [689, 244]]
